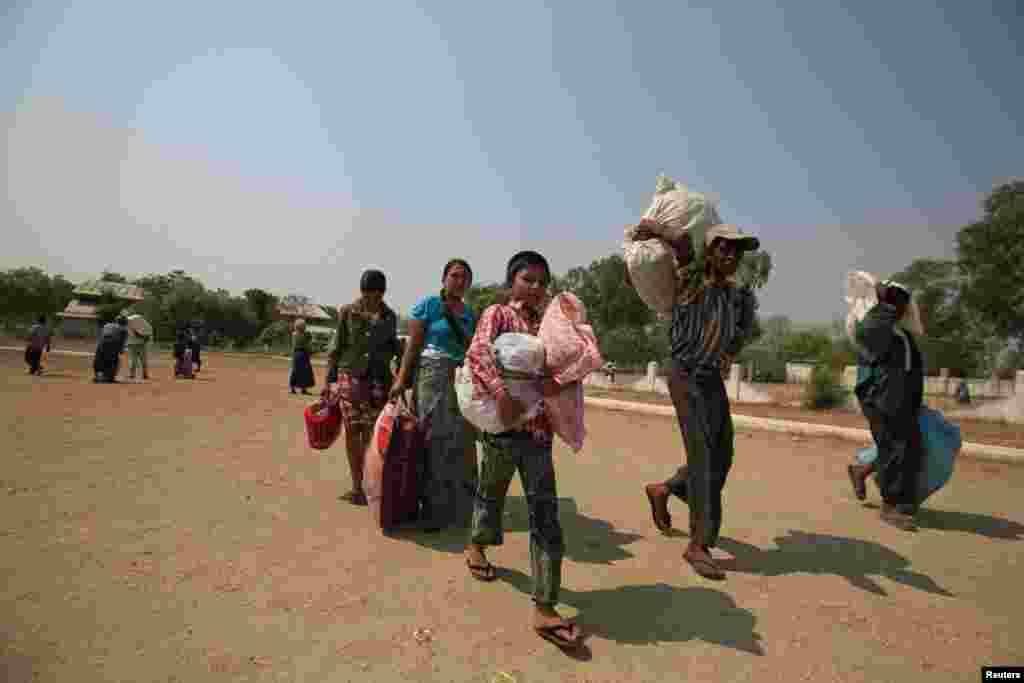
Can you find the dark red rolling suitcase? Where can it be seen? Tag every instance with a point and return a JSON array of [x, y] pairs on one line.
[[391, 476]]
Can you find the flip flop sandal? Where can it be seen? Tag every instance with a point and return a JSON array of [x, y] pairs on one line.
[[706, 568], [550, 634], [484, 572], [663, 524], [354, 497], [859, 489]]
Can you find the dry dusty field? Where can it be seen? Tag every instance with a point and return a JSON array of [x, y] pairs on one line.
[[183, 531]]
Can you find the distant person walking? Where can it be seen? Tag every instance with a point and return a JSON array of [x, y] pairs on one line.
[[39, 340], [195, 346], [182, 354], [364, 349], [710, 324], [137, 343], [109, 347], [302, 368], [440, 327]]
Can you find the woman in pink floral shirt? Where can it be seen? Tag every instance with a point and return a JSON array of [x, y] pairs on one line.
[[526, 448]]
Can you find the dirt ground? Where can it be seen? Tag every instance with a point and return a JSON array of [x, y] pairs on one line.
[[976, 431], [183, 531]]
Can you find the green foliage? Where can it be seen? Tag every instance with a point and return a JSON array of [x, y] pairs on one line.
[[823, 390], [611, 304], [26, 293], [263, 305], [806, 345], [276, 335], [632, 346], [754, 270], [991, 258], [480, 297], [111, 276], [955, 336]]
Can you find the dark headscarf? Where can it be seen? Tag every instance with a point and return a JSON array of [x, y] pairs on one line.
[[522, 261], [456, 262], [373, 281]]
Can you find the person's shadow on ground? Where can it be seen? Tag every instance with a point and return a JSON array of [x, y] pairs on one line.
[[656, 613], [970, 522], [587, 539], [809, 553]]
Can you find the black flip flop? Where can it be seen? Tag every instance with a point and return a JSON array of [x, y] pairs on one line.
[[706, 568], [550, 634], [354, 497], [662, 524], [859, 489], [482, 572]]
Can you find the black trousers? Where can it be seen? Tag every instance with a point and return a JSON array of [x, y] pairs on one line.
[[900, 454], [33, 358], [702, 409]]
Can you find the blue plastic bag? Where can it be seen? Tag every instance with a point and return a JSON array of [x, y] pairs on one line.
[[942, 443]]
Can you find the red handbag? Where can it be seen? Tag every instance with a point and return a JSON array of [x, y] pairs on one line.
[[323, 424]]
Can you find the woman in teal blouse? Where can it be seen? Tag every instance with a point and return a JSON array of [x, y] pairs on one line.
[[440, 328]]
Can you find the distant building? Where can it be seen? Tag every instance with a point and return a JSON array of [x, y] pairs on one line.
[[79, 317], [311, 313]]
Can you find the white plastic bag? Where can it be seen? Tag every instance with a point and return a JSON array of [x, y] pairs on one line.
[[652, 269], [522, 357], [860, 297], [520, 353]]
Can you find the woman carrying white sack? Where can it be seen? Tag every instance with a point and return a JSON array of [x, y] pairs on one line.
[[526, 447], [566, 351]]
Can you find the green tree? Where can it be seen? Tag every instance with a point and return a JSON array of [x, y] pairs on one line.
[[956, 337], [611, 303], [480, 296], [991, 258], [276, 335], [754, 270], [263, 305], [111, 276], [806, 345], [26, 293]]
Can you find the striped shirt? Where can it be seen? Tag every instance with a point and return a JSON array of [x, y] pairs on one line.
[[710, 325]]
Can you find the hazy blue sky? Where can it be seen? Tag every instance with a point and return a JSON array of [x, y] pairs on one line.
[[291, 145]]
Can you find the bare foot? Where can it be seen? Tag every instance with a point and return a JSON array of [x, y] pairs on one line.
[[657, 496]]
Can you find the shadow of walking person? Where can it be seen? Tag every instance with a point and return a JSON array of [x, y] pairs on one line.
[[656, 613], [853, 559], [983, 525], [587, 539]]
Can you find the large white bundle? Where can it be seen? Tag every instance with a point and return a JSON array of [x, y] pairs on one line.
[[676, 210], [652, 269], [860, 298], [521, 358]]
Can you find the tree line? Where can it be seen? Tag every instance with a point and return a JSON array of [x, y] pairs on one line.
[[972, 306]]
